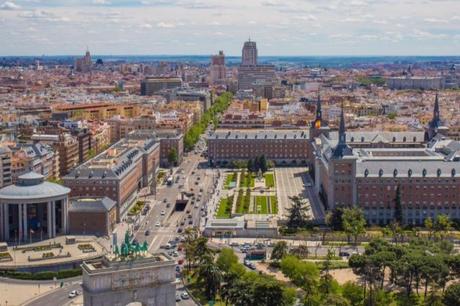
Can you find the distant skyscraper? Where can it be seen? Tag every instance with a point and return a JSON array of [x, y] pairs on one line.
[[259, 78], [217, 72], [249, 53], [83, 64]]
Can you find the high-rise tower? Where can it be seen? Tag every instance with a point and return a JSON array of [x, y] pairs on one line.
[[249, 53], [217, 70]]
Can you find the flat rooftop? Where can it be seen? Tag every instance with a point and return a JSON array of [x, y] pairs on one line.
[[111, 263]]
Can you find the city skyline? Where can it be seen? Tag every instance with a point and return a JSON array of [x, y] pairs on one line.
[[190, 27]]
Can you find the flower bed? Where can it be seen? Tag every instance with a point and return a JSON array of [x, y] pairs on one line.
[[40, 248], [137, 208], [5, 256], [86, 248]]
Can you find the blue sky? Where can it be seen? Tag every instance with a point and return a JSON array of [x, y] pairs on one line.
[[280, 27]]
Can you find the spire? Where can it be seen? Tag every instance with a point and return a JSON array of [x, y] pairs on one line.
[[436, 108], [436, 120], [318, 108], [342, 149]]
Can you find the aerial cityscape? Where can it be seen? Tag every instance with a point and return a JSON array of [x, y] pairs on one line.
[[247, 153]]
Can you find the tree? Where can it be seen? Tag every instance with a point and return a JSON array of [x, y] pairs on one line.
[[326, 278], [250, 165], [354, 223], [297, 213], [353, 293], [334, 218], [442, 226], [209, 276], [226, 259], [335, 300], [263, 164], [398, 213], [172, 157], [280, 249], [451, 296], [302, 273]]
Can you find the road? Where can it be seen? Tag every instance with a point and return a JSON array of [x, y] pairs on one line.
[[56, 297], [162, 221]]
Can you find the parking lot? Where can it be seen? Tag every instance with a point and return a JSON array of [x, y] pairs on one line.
[[296, 182]]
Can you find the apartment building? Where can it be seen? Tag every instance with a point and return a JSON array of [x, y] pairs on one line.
[[118, 173]]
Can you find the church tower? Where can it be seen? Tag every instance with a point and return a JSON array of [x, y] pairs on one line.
[[436, 125], [318, 126]]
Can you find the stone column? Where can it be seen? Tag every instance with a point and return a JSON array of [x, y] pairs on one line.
[[64, 215], [48, 218], [6, 224], [20, 233], [24, 218], [53, 213], [2, 218]]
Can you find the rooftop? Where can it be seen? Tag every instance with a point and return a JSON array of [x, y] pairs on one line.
[[31, 186]]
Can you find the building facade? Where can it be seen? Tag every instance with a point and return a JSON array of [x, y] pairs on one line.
[[217, 71], [147, 281], [351, 170], [92, 216], [118, 173], [152, 85], [284, 147], [33, 209]]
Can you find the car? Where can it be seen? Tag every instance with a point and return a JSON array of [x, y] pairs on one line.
[[196, 183], [178, 299], [190, 222], [165, 200], [201, 189], [184, 296], [73, 294], [158, 224], [189, 216], [177, 268], [182, 222], [197, 206], [188, 211], [344, 254], [163, 213], [168, 246], [168, 205], [175, 254], [147, 232], [180, 230]]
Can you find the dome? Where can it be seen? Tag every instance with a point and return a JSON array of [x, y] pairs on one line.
[[31, 186]]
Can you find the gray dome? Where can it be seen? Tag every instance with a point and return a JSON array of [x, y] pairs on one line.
[[31, 186]]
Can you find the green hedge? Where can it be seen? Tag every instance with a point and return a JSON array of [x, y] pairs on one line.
[[45, 275]]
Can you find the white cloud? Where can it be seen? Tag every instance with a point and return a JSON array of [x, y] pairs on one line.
[[102, 2], [166, 25], [146, 26], [8, 5], [435, 20]]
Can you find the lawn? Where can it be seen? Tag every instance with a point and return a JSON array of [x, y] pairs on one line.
[[274, 204], [240, 202], [247, 179], [260, 205], [231, 178], [225, 208], [269, 180]]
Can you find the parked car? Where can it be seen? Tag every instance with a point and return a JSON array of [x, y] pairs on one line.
[[184, 296], [178, 299], [344, 254], [147, 232], [73, 294]]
